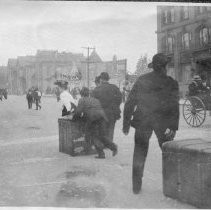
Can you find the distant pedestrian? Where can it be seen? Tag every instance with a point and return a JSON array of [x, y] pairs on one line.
[[37, 98], [110, 98], [97, 81], [95, 119], [126, 91], [57, 92], [29, 98], [39, 95], [154, 105], [68, 103]]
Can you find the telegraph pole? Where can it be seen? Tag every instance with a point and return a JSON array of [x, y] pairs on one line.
[[88, 48]]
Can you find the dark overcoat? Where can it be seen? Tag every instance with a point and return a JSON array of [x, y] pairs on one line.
[[91, 109], [110, 98], [154, 97]]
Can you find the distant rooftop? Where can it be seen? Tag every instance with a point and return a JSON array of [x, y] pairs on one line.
[[94, 57]]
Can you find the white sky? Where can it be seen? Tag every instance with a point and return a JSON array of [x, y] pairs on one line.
[[126, 29]]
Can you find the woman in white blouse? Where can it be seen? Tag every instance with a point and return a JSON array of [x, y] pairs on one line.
[[68, 103]]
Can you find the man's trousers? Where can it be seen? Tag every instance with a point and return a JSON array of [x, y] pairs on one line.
[[97, 132], [142, 136], [110, 125], [29, 103]]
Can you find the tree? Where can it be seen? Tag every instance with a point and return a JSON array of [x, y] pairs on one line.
[[142, 65]]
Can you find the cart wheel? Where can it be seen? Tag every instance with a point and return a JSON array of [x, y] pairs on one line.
[[194, 111]]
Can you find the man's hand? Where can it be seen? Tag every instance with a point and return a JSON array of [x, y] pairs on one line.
[[70, 116], [126, 131], [170, 134]]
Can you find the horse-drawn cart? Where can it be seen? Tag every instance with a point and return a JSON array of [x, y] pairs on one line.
[[195, 108]]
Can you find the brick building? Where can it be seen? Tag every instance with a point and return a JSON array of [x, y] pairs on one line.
[[184, 34]]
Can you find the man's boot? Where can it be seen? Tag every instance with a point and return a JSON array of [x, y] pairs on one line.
[[137, 186], [101, 155]]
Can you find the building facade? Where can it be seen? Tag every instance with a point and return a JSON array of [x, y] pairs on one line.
[[41, 70], [184, 35], [44, 68]]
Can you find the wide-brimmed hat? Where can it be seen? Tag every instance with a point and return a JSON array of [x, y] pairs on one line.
[[104, 76], [61, 83], [159, 59], [197, 77]]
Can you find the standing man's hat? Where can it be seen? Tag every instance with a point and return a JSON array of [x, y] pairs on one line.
[[159, 59], [196, 77], [104, 76], [61, 83]]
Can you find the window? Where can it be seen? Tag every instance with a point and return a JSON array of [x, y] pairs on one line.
[[163, 44], [186, 72], [172, 15], [170, 44], [203, 36], [208, 8], [165, 17], [186, 38], [200, 10], [185, 13], [168, 15]]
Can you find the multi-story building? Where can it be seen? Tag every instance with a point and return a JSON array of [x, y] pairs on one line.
[[184, 35], [41, 70], [44, 68]]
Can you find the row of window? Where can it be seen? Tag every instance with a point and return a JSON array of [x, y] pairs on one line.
[[168, 15], [184, 40]]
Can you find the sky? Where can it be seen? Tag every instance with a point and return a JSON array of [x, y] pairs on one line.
[[124, 29]]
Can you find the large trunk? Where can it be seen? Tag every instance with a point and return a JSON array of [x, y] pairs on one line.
[[187, 171]]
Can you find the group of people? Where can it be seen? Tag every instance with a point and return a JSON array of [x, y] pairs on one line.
[[3, 93], [99, 108], [151, 105], [34, 96]]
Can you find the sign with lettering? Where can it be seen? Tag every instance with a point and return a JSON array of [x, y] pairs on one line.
[[68, 74]]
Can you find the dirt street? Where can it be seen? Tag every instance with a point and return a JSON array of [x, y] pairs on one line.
[[34, 173]]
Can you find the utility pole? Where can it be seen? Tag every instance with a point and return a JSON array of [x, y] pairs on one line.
[[88, 48]]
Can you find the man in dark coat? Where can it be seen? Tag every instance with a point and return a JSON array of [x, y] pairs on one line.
[[110, 98], [95, 119], [154, 105], [29, 98]]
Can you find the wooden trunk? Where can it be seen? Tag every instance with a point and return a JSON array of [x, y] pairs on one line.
[[71, 136], [187, 171]]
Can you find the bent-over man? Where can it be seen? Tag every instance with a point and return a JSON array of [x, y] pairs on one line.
[[96, 120]]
